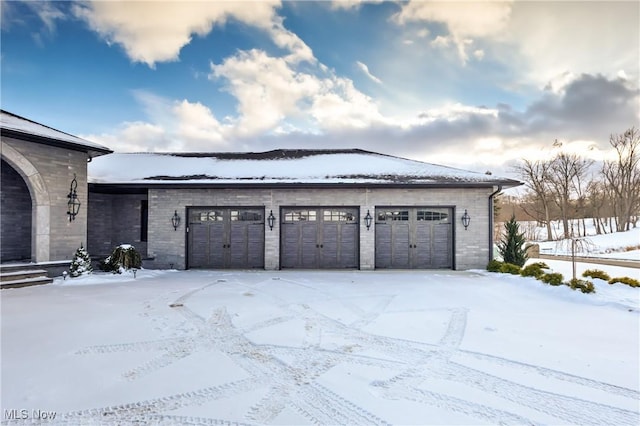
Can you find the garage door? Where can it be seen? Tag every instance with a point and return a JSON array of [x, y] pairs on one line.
[[319, 237], [414, 238], [226, 238]]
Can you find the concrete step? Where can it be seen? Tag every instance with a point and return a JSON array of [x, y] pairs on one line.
[[15, 277], [22, 274], [25, 282]]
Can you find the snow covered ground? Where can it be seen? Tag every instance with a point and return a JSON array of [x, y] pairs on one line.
[[292, 347], [614, 246]]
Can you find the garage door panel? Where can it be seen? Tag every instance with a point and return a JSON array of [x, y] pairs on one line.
[[400, 246], [309, 245], [255, 250], [290, 244], [217, 245], [422, 245], [199, 253], [383, 245], [348, 246], [442, 246]]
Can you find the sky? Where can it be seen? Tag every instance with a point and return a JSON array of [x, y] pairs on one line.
[[476, 85]]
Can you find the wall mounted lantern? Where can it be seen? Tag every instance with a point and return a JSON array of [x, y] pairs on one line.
[[368, 219], [271, 220], [466, 219], [73, 205], [175, 220]]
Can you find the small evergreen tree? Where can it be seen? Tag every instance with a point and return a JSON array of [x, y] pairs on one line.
[[81, 263], [511, 247]]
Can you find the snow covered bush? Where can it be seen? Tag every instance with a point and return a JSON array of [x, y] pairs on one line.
[[123, 258], [552, 278], [81, 263], [582, 285], [596, 273], [631, 282]]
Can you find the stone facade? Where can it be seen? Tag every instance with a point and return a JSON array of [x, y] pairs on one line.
[[47, 172], [168, 246]]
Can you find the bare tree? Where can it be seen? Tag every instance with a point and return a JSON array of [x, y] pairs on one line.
[[535, 175], [566, 173], [622, 176]]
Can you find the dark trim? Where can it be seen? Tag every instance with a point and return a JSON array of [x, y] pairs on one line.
[[29, 137], [117, 187]]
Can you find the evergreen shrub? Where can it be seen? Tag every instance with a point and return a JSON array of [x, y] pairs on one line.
[[625, 280], [511, 247], [510, 268], [494, 265], [123, 258], [596, 273], [582, 285], [534, 270], [552, 278], [81, 263]]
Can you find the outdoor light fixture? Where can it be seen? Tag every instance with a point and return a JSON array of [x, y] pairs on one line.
[[466, 219], [271, 220], [73, 205], [175, 220], [368, 219]]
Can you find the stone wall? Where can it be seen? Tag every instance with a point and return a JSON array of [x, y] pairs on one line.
[[168, 246], [48, 172], [115, 219]]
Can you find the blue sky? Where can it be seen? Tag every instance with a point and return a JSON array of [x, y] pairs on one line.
[[476, 85]]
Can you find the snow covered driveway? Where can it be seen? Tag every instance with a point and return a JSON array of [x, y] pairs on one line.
[[284, 347]]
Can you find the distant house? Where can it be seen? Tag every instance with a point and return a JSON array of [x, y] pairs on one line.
[[281, 209]]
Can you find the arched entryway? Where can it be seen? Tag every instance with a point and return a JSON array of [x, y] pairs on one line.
[[32, 217], [15, 224]]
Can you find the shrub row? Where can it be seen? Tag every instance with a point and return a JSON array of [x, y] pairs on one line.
[[596, 273], [537, 270]]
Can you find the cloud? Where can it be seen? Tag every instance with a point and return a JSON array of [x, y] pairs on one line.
[[573, 37], [351, 4], [152, 32], [365, 69], [47, 12], [270, 91], [465, 21]]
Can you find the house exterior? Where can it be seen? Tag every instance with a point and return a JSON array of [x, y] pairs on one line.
[[281, 209], [291, 209], [37, 168]]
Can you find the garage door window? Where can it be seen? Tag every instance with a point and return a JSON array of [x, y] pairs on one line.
[[208, 216], [432, 215], [300, 216], [337, 216], [402, 215], [245, 215]]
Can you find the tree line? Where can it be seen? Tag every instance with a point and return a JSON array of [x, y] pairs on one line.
[[570, 188]]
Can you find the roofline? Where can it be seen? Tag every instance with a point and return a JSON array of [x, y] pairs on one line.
[[114, 187], [45, 140]]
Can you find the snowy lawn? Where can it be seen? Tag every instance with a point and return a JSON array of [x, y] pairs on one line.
[[285, 347]]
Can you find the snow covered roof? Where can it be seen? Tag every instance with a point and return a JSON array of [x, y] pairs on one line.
[[13, 125], [347, 166]]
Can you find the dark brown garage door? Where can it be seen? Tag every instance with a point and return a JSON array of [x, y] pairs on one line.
[[226, 238], [319, 238], [414, 238]]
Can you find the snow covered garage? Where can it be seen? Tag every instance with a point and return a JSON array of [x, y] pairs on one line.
[[314, 209]]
